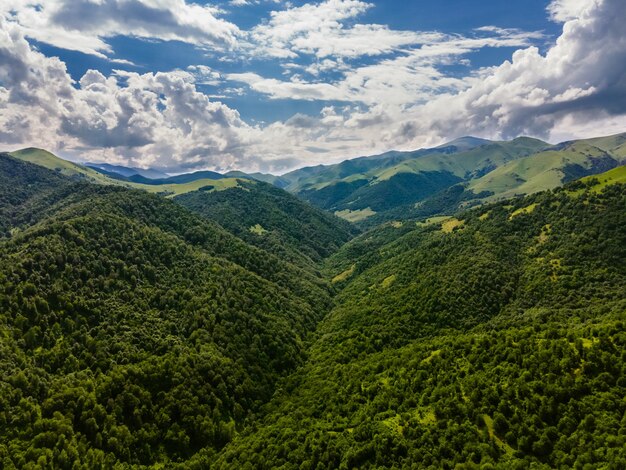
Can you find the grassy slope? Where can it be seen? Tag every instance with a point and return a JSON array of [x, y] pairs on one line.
[[387, 184], [469, 162], [614, 176], [544, 170], [52, 162], [173, 190]]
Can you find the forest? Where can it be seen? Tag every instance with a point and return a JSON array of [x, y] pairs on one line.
[[246, 329]]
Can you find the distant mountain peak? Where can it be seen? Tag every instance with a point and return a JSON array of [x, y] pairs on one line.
[[464, 143], [128, 171]]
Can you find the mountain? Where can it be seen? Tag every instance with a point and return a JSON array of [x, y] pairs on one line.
[[171, 186], [128, 171], [493, 339], [545, 170], [277, 181], [52, 162], [26, 191], [363, 168], [462, 173], [268, 217], [360, 191], [134, 332], [463, 144]]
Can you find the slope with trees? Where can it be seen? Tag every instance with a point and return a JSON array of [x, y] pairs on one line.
[[134, 332], [493, 339]]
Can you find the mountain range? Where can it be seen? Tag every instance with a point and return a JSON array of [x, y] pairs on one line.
[[369, 190], [471, 316]]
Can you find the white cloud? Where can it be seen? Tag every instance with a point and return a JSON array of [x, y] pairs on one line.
[[410, 77], [85, 25], [566, 10], [403, 100]]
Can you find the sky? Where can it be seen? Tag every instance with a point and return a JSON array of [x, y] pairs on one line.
[[273, 85]]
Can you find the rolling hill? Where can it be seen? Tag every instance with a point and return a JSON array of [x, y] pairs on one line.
[[272, 219], [260, 213], [133, 331], [400, 185], [385, 183], [52, 162], [171, 186], [431, 182], [493, 339]]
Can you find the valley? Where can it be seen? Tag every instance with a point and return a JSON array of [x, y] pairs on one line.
[[475, 320]]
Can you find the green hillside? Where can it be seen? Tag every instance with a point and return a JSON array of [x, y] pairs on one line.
[[400, 181], [599, 182], [373, 190], [52, 162], [136, 333], [78, 172], [493, 340], [544, 170], [176, 189], [272, 219]]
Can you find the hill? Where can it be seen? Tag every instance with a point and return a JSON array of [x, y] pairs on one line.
[[436, 181], [52, 162], [26, 191], [545, 170], [171, 186], [127, 171], [377, 185], [493, 339], [364, 168], [272, 219], [134, 332]]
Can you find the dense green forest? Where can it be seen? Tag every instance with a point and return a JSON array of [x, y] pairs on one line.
[[493, 339], [242, 329], [272, 219], [134, 331]]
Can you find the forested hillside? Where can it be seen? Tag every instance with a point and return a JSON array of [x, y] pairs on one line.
[[242, 329], [272, 219], [495, 338], [134, 332], [442, 180]]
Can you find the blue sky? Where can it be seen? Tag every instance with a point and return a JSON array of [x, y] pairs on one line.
[[452, 16], [271, 85]]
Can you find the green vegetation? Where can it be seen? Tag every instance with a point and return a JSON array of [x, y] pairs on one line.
[[181, 185], [176, 189], [488, 349], [441, 181], [134, 332], [236, 326], [52, 162], [601, 181], [291, 228]]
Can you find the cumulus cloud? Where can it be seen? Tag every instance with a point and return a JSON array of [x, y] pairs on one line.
[[410, 77], [566, 10], [582, 77], [85, 25], [404, 100]]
